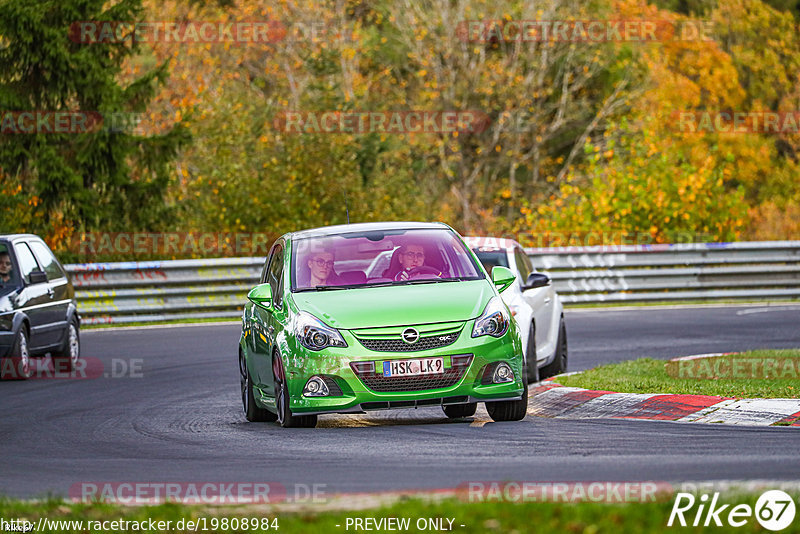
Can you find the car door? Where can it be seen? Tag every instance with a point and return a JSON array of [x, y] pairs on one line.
[[59, 291], [263, 323], [34, 299], [540, 299]]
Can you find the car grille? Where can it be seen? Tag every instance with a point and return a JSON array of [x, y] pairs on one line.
[[398, 345], [382, 384]]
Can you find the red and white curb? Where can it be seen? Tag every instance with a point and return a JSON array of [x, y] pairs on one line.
[[550, 399]]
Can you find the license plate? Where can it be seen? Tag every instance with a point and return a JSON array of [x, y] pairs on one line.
[[420, 366]]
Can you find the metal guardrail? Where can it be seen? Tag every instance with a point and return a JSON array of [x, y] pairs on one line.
[[692, 271], [156, 291]]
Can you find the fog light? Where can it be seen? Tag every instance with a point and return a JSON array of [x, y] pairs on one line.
[[502, 374], [316, 387]]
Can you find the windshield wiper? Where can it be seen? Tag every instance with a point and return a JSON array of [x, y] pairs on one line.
[[328, 288]]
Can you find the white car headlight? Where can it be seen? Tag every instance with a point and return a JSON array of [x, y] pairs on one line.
[[493, 321], [314, 334]]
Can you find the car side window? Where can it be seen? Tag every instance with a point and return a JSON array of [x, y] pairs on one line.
[[49, 263], [523, 264], [27, 263], [275, 276]]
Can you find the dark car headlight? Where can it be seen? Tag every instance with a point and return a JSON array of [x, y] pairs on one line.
[[493, 321], [313, 334]]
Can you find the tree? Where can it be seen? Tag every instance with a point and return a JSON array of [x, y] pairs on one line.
[[82, 178]]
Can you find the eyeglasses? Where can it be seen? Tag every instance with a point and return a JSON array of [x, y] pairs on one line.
[[7, 262], [322, 263], [417, 255]]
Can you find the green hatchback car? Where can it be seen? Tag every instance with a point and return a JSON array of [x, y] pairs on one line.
[[332, 328]]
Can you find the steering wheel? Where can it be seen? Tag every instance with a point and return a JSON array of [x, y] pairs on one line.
[[419, 272]]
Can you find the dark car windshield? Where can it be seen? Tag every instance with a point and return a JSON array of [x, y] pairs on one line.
[[391, 257], [492, 258], [9, 277]]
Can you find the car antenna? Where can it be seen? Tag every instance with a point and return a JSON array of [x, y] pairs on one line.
[[346, 209]]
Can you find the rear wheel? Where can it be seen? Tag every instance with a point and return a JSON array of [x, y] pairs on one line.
[[559, 363], [514, 410], [532, 372], [457, 411], [17, 365], [65, 360], [282, 398], [252, 411]]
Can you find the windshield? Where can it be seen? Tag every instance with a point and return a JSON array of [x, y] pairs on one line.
[[491, 259], [393, 257], [9, 278]]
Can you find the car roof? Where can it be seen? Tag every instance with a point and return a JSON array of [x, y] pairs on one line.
[[486, 244], [12, 237], [366, 227]]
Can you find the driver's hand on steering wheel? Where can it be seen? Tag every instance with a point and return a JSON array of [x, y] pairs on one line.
[[402, 276]]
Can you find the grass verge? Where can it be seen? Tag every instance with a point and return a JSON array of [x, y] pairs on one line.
[[452, 513], [717, 376]]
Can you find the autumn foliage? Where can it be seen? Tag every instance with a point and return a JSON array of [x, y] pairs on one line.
[[580, 137]]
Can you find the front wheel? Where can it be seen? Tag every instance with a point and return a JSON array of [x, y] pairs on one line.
[[513, 410], [457, 411], [282, 398], [559, 363], [532, 373], [252, 411], [17, 365]]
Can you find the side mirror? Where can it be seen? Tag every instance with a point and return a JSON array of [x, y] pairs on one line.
[[502, 277], [537, 280], [261, 295], [37, 277]]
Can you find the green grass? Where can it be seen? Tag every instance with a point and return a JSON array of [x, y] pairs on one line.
[[647, 375], [581, 518]]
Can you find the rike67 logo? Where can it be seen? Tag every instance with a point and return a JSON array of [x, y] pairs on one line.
[[774, 510]]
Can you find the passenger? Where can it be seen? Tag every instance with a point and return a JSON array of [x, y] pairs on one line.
[[320, 264], [5, 267]]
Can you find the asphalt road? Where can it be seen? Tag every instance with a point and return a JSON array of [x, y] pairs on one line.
[[174, 414]]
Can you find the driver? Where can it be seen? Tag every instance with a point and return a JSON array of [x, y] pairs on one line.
[[411, 257], [5, 267]]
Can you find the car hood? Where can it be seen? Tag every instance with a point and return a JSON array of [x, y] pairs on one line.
[[369, 307]]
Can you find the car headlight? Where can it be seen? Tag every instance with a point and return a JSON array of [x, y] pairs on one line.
[[493, 321], [314, 334]]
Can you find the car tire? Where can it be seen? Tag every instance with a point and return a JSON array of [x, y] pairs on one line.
[[457, 411], [559, 363], [513, 410], [532, 373], [65, 360], [17, 365], [282, 400], [252, 411]]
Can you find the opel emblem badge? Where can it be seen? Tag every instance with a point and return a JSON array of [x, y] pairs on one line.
[[410, 335]]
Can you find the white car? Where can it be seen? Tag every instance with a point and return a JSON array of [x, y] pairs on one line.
[[532, 301]]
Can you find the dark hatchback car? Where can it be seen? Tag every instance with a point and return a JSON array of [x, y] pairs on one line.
[[38, 313]]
